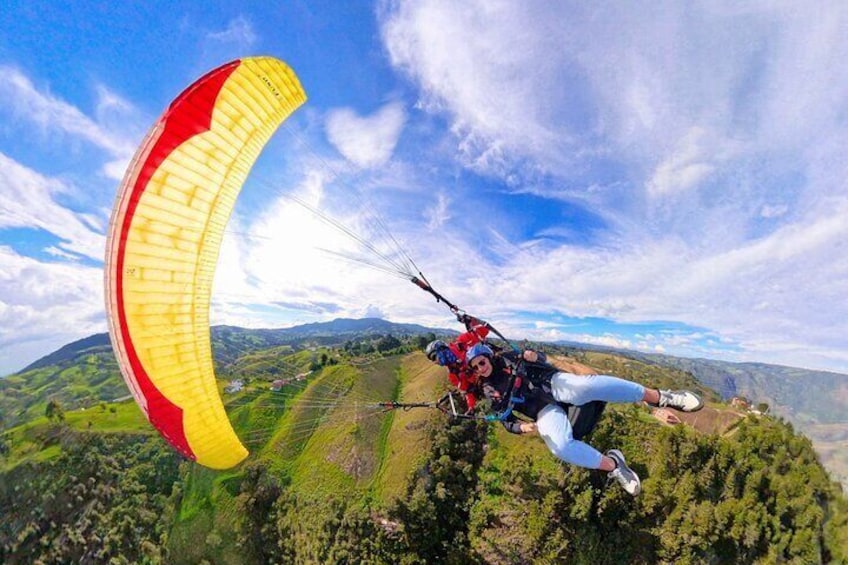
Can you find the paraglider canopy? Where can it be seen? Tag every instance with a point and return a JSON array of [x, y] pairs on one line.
[[163, 244]]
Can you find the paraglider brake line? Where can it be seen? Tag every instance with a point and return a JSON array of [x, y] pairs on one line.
[[405, 406], [421, 282], [440, 405]]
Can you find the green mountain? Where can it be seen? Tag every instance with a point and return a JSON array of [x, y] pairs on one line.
[[230, 341], [80, 374], [84, 373], [335, 478], [814, 402]]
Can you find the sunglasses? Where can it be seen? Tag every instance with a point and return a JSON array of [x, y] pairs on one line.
[[478, 366]]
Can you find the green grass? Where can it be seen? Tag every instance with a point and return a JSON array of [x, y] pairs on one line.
[[204, 528], [406, 440], [198, 487], [37, 440], [316, 437], [305, 415], [343, 451], [112, 417]]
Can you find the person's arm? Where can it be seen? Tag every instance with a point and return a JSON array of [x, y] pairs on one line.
[[481, 331], [475, 326], [512, 424], [491, 393], [534, 356], [515, 426], [528, 427]]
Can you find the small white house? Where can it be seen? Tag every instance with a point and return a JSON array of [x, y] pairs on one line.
[[234, 386]]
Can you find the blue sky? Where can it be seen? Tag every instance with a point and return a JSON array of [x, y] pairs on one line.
[[668, 177]]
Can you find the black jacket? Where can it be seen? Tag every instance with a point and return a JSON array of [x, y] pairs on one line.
[[519, 386]]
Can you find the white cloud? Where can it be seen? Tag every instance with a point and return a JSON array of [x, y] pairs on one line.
[[563, 85], [723, 122], [773, 211], [438, 214], [483, 63], [785, 288], [366, 141], [685, 169], [239, 31], [27, 200], [61, 254], [302, 266], [20, 97], [44, 306]]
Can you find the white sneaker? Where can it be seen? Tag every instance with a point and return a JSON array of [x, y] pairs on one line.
[[625, 476], [682, 400]]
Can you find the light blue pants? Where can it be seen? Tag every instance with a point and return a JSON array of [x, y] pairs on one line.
[[552, 422]]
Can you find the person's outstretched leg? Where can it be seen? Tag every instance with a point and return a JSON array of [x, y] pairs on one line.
[[580, 389], [553, 425]]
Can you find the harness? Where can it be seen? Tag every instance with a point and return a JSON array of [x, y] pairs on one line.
[[583, 418], [513, 399]]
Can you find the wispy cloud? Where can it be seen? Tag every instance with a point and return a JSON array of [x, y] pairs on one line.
[[239, 31], [366, 141], [28, 200], [482, 65], [439, 213], [44, 306], [20, 98], [721, 125], [302, 264], [684, 170]]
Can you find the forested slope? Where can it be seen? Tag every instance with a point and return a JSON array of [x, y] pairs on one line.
[[331, 479]]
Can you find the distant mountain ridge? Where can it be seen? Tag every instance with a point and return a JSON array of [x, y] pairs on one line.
[[786, 389], [69, 352], [354, 325], [263, 337], [84, 371]]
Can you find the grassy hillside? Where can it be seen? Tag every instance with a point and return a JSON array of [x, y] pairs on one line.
[[89, 377], [333, 478], [407, 438], [324, 440], [38, 440]]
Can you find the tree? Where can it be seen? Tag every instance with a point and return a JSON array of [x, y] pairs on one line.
[[54, 411], [387, 343], [424, 339]]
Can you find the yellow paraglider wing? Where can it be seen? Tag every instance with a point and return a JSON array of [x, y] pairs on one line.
[[164, 238]]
